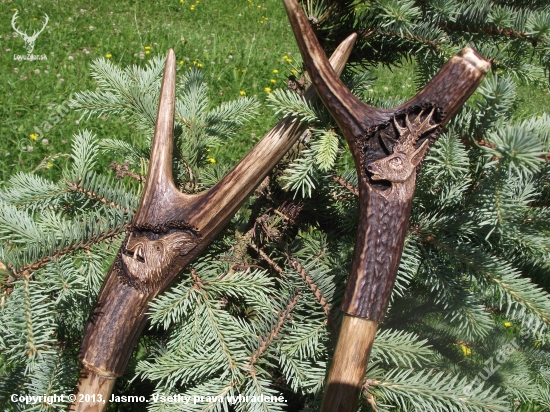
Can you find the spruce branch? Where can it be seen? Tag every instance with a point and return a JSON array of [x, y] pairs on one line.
[[123, 170], [269, 261], [266, 340], [77, 187], [296, 265], [346, 184], [82, 244]]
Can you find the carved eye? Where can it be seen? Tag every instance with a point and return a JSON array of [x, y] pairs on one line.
[[396, 162]]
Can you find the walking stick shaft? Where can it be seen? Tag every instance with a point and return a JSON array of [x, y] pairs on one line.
[[349, 364], [388, 146]]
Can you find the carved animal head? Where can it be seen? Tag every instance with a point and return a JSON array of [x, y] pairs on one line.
[[399, 166], [148, 260]]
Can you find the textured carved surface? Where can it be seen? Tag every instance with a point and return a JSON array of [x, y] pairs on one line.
[[148, 261], [399, 167]]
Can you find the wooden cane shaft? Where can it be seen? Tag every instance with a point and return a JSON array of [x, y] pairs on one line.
[[93, 393], [349, 364]]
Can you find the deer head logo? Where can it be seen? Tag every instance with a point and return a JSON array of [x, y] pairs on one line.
[[29, 40], [399, 167]]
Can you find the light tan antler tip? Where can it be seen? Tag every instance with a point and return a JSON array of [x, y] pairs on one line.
[[171, 57], [475, 59], [351, 38]]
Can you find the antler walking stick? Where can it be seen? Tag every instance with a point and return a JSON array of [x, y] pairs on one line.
[[388, 147], [169, 230]]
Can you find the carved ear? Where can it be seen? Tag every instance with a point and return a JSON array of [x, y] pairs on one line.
[[419, 153], [181, 242], [387, 141]]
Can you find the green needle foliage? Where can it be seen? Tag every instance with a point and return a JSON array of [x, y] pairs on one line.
[[257, 314]]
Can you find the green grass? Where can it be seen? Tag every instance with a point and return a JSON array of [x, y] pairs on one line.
[[238, 43]]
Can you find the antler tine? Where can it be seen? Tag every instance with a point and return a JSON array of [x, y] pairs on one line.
[[348, 111], [36, 33], [400, 129], [13, 22], [159, 180], [425, 125], [414, 130]]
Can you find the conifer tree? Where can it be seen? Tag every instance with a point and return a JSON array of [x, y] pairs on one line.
[[258, 312]]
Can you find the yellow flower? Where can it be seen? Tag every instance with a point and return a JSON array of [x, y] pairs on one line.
[[181, 1], [192, 7], [199, 64], [273, 81], [275, 71], [147, 47], [267, 89], [48, 165], [294, 71], [14, 9], [34, 136], [466, 350], [259, 7], [181, 61], [242, 93], [507, 324], [108, 55], [207, 149], [147, 52], [211, 160]]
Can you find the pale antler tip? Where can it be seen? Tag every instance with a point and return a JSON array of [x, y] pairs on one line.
[[475, 59], [170, 58]]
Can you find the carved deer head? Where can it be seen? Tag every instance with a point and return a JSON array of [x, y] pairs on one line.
[[399, 167], [29, 40]]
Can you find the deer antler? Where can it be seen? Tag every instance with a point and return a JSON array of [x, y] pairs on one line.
[[28, 39], [170, 229], [384, 208]]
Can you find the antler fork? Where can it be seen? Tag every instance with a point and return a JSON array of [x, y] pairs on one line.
[[387, 148], [169, 230]]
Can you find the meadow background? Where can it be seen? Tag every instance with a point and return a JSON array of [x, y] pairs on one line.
[[243, 46]]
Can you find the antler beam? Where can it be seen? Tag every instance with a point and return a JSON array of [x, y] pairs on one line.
[[169, 230], [388, 146]]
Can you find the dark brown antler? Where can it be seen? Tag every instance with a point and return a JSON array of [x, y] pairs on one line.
[[169, 230], [386, 186]]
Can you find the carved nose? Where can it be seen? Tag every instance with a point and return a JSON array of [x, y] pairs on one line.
[[136, 250], [373, 168]]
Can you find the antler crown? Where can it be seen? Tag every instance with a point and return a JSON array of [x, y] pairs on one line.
[[412, 131]]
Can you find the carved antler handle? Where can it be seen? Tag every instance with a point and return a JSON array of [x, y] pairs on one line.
[[169, 230], [388, 146]]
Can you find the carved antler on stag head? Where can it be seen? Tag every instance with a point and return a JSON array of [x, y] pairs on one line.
[[388, 146], [169, 230], [29, 40]]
